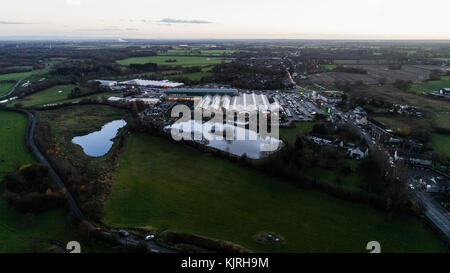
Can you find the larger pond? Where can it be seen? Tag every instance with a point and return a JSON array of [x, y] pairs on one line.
[[251, 146], [99, 143]]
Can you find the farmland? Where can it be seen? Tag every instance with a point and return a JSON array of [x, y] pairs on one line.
[[156, 186], [180, 61]]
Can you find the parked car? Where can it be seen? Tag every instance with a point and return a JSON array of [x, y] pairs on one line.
[[411, 187], [124, 233], [149, 237]]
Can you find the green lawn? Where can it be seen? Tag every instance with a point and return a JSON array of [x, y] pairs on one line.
[[50, 225], [53, 95], [183, 60], [441, 144], [290, 134], [165, 185]]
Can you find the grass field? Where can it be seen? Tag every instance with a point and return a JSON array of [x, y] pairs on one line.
[[15, 76], [196, 76], [164, 185], [196, 52], [290, 134], [47, 96], [431, 86], [5, 87], [53, 96], [329, 66], [441, 144], [50, 225], [183, 60]]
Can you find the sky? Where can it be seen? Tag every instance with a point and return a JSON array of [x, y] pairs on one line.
[[227, 19]]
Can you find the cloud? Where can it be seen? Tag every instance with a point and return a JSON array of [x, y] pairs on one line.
[[12, 23], [178, 21], [99, 29], [73, 2]]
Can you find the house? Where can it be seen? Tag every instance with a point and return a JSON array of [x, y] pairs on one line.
[[359, 152], [319, 141]]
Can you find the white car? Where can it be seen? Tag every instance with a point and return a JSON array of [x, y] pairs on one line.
[[149, 237]]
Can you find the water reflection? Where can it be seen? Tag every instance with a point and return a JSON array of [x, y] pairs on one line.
[[99, 143], [213, 135]]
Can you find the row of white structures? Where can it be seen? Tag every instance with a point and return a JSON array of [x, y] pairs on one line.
[[243, 103], [139, 82]]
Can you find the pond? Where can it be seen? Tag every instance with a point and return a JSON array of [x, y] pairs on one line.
[[251, 146], [98, 144]]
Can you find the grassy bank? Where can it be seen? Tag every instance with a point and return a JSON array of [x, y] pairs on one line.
[[164, 185]]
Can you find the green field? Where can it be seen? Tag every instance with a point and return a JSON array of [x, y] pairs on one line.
[[15, 76], [329, 66], [441, 144], [165, 185], [50, 225], [196, 76], [54, 96], [5, 87], [432, 86], [196, 52], [290, 134], [47, 96], [182, 61]]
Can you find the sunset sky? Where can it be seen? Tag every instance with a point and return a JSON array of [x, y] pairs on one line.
[[153, 19]]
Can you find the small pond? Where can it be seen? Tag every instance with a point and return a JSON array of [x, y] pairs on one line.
[[98, 144]]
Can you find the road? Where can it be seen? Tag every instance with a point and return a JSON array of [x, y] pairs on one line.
[[29, 139], [435, 212]]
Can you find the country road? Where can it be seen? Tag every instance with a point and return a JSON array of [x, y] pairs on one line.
[[435, 212]]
